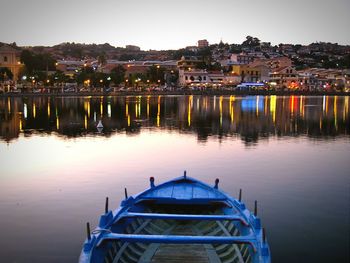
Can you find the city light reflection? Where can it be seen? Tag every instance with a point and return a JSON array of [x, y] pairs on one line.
[[301, 115]]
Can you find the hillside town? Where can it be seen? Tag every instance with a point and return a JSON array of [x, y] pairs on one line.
[[251, 65]]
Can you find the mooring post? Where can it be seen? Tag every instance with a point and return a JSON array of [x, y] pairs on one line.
[[216, 183], [126, 193], [185, 174], [256, 208], [106, 205], [88, 232], [151, 180], [240, 195]]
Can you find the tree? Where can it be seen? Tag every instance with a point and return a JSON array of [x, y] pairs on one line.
[[251, 42], [117, 74], [102, 59], [59, 77], [5, 74], [156, 73], [37, 62]]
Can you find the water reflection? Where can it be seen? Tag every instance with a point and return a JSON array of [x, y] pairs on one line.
[[251, 117]]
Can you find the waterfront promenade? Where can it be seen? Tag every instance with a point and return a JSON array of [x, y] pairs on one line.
[[178, 92]]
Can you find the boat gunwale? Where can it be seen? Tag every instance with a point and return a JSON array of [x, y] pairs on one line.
[[107, 220]]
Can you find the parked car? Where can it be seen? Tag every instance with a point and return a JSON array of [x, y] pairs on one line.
[[83, 90], [69, 90]]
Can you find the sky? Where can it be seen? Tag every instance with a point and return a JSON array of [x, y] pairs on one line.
[[165, 24]]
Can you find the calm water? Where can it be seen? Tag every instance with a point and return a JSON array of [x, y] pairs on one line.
[[289, 153]]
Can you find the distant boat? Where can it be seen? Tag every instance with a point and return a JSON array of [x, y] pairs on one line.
[[99, 125], [182, 220]]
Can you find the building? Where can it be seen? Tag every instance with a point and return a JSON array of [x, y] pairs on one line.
[[10, 58], [252, 72], [284, 77], [201, 77], [132, 48], [203, 43], [245, 58], [189, 62]]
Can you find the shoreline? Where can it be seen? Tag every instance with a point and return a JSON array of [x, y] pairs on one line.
[[177, 93]]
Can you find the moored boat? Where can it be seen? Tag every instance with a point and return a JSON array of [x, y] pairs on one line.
[[182, 220]]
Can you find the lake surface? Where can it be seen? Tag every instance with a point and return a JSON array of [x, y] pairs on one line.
[[290, 153]]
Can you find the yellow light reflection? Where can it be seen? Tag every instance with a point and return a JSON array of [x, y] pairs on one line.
[[291, 103], [88, 107], [158, 112], [48, 109], [57, 123], [232, 99], [257, 106], [20, 125], [136, 110], [265, 105], [189, 109], [220, 109], [147, 106], [301, 106], [139, 106], [273, 107], [127, 108], [34, 111], [327, 105], [8, 105], [85, 123], [335, 112], [128, 120], [101, 108], [346, 108]]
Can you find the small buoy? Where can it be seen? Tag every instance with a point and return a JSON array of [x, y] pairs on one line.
[[99, 125]]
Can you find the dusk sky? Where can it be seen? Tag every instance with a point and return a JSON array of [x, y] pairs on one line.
[[164, 24]]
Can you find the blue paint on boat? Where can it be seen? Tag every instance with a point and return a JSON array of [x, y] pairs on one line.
[[180, 192]]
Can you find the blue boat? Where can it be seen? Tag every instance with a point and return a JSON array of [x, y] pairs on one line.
[[182, 220]]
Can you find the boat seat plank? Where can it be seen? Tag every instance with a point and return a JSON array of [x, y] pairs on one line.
[[185, 217], [178, 239]]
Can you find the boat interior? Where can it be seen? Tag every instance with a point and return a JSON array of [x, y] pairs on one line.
[[114, 250]]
